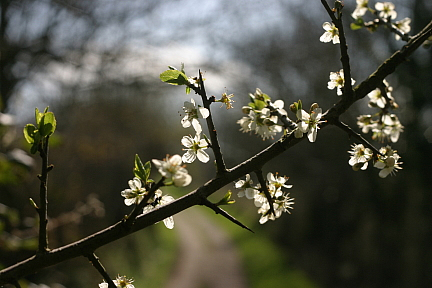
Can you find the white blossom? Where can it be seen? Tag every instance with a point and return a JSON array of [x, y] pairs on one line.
[[332, 33], [361, 8], [392, 127], [308, 123], [366, 123], [280, 205], [359, 157], [193, 113], [386, 10], [135, 194], [195, 149], [246, 188], [403, 25], [388, 163], [171, 168], [277, 181], [337, 80]]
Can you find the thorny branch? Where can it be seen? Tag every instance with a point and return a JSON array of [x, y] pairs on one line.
[[117, 231]]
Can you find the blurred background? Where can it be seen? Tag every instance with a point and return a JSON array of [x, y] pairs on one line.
[[97, 65]]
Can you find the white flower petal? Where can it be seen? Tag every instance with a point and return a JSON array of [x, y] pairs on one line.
[[182, 179], [204, 112], [130, 201], [189, 156], [197, 126], [187, 141], [202, 156], [169, 222]]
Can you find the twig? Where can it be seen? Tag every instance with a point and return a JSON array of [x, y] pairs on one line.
[[356, 135], [117, 231], [377, 77], [99, 267], [264, 189], [348, 90], [225, 214], [220, 164], [43, 195]]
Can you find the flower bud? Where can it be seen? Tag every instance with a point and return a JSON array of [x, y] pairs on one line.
[[246, 109], [313, 107]]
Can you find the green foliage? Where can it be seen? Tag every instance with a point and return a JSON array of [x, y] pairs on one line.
[[259, 100], [296, 106], [45, 126], [174, 77], [226, 200], [142, 171]]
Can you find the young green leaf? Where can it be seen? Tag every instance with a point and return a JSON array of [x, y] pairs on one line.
[[38, 116], [48, 124], [226, 199], [29, 133], [355, 26], [142, 171], [174, 77]]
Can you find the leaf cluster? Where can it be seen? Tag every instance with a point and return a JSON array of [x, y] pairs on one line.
[[45, 127]]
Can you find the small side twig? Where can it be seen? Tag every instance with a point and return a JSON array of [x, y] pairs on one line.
[[356, 135], [220, 164], [264, 189], [225, 214], [99, 267]]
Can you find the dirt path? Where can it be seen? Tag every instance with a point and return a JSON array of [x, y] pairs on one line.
[[207, 256]]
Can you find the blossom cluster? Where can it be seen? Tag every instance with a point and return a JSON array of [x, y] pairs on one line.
[[280, 199], [259, 116], [385, 11], [263, 116], [384, 125], [172, 172], [386, 160], [195, 146]]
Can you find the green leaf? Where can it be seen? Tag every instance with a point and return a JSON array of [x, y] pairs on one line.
[[188, 90], [48, 124], [226, 199], [174, 77], [259, 104], [142, 171], [355, 26], [300, 105], [29, 133], [38, 116]]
